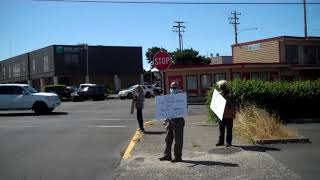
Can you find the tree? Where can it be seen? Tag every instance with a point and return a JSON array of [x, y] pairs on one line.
[[189, 56], [153, 52]]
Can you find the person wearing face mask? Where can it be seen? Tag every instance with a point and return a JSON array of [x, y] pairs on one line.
[[174, 131], [227, 121]]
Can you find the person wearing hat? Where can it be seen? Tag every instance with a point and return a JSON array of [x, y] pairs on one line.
[[174, 131], [228, 116]]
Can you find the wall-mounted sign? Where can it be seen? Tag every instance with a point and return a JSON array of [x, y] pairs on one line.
[[69, 49], [254, 47]]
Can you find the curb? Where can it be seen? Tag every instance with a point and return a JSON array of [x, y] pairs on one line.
[[282, 141], [135, 139]]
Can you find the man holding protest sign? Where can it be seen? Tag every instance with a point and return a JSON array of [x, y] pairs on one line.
[[174, 132], [228, 115]]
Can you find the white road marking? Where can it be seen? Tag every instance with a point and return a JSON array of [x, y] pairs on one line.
[[18, 126], [107, 126]]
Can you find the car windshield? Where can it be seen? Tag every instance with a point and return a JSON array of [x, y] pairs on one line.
[[30, 89]]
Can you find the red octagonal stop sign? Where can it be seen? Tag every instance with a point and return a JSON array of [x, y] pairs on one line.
[[162, 60]]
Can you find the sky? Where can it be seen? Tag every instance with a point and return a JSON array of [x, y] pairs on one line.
[[27, 25]]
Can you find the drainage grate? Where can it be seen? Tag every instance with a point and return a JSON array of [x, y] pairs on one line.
[[229, 150], [139, 159]]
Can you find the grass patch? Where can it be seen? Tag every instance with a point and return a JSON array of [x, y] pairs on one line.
[[253, 123]]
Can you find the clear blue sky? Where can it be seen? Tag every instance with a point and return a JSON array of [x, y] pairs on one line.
[[27, 25]]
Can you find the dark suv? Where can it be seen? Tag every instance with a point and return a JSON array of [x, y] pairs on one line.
[[94, 92]]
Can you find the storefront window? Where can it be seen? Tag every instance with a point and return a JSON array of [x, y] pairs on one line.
[[220, 76], [236, 75], [205, 84], [260, 76], [192, 85]]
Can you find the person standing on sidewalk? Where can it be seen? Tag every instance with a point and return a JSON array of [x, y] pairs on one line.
[[174, 132], [229, 113], [138, 100]]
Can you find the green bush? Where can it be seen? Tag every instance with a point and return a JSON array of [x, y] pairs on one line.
[[58, 89], [296, 99]]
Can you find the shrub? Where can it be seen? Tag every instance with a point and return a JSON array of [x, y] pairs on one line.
[[58, 89], [253, 123], [287, 99]]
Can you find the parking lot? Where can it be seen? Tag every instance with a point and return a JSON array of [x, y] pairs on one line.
[[78, 140]]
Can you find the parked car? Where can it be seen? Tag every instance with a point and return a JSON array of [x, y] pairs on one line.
[[157, 88], [128, 93], [24, 97], [94, 92]]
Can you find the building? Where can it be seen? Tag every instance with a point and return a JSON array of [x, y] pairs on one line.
[[283, 57], [113, 66], [221, 59]]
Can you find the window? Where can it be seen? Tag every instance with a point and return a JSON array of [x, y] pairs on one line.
[[192, 85], [34, 66], [45, 64], [11, 90], [218, 77], [67, 59], [4, 90], [236, 75], [260, 76], [205, 84], [9, 72], [291, 54], [75, 59], [310, 54], [16, 70], [4, 71]]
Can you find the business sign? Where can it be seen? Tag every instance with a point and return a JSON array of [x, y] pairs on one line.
[[171, 106], [69, 49], [254, 47], [218, 104]]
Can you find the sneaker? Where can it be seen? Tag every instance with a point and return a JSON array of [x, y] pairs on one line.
[[165, 158], [177, 159], [219, 144], [228, 145]]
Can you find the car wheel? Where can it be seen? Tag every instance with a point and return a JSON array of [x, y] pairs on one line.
[[50, 110], [148, 95], [40, 108], [129, 96]]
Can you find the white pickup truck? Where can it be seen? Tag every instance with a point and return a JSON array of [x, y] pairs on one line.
[[24, 97]]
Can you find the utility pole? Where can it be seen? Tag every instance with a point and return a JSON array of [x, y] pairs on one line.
[[87, 59], [234, 20], [179, 28], [305, 19]]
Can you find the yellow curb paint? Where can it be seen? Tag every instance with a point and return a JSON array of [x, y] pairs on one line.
[[135, 139]]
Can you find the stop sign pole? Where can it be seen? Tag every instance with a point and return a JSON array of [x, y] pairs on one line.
[[162, 61]]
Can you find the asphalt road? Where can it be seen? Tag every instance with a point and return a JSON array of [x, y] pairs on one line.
[[81, 140], [301, 158]]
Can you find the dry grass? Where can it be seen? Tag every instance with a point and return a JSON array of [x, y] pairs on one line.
[[254, 123]]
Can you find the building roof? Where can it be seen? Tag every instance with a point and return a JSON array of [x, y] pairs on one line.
[[278, 38]]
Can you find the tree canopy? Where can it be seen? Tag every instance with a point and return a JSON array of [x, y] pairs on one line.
[[185, 57]]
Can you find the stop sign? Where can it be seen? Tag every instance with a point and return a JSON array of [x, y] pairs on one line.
[[162, 60]]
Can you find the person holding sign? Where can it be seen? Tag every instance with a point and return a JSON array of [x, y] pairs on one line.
[[137, 101], [174, 132], [228, 116]]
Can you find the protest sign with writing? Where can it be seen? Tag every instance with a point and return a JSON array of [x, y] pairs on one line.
[[218, 104], [171, 106]]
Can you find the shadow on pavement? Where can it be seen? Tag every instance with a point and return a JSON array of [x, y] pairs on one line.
[[258, 148], [32, 114], [210, 163], [154, 132]]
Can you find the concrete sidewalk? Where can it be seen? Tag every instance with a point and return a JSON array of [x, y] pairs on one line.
[[201, 159]]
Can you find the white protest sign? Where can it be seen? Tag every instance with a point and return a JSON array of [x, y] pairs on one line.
[[171, 106], [218, 104]]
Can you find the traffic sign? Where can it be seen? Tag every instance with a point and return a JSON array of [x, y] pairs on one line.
[[162, 60]]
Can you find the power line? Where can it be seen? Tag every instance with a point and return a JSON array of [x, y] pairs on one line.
[[179, 28], [178, 3]]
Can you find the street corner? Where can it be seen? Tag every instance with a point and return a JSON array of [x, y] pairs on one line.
[[138, 135], [238, 162]]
